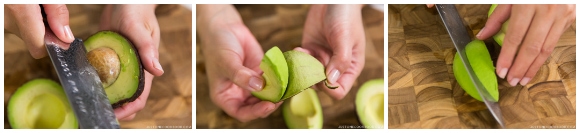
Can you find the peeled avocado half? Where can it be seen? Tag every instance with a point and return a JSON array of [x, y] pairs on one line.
[[118, 64], [40, 104], [303, 111], [287, 74], [480, 60], [369, 103]]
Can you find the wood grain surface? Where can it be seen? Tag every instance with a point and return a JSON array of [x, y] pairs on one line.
[[282, 26], [170, 101], [423, 92]]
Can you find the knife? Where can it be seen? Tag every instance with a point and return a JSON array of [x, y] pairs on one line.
[[454, 25], [80, 82]]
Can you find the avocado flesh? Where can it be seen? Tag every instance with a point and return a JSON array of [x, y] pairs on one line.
[[40, 104], [480, 60], [304, 71], [275, 75], [369, 103], [129, 83], [303, 111]]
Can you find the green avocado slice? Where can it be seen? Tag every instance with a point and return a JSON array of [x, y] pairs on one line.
[[369, 103], [275, 75], [119, 66], [40, 104]]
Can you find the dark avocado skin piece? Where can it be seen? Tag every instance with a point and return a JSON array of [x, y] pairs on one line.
[[141, 76]]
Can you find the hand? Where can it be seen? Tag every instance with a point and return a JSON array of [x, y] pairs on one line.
[[232, 56], [139, 24], [27, 23], [532, 33], [334, 35]]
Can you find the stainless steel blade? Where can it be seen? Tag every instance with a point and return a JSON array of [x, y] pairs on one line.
[[81, 83], [460, 37]]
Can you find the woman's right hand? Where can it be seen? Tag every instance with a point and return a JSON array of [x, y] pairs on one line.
[[26, 22], [232, 57]]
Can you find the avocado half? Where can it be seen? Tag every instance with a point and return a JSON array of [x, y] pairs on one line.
[[40, 104], [303, 111], [287, 74], [118, 64], [369, 103]]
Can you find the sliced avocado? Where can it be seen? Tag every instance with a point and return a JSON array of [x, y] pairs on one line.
[[480, 60], [40, 103], [118, 65], [303, 111], [304, 71], [369, 103], [275, 75]]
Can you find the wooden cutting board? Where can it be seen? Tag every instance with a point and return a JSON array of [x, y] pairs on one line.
[[423, 92], [169, 102], [282, 26]]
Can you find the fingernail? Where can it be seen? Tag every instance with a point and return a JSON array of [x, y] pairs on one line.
[[157, 65], [514, 81], [256, 83], [480, 31], [333, 76], [502, 73], [68, 33], [525, 81]]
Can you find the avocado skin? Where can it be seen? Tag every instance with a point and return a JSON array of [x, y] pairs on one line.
[[141, 77]]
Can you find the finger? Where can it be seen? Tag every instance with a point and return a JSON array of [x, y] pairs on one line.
[[58, 18], [240, 69], [550, 42], [517, 28], [430, 5], [242, 76], [345, 84], [146, 39], [493, 24], [26, 22], [531, 46], [130, 117], [139, 103]]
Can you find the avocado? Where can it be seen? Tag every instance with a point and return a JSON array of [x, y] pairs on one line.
[[275, 75], [287, 74], [369, 103], [40, 103], [480, 60], [118, 65], [303, 111]]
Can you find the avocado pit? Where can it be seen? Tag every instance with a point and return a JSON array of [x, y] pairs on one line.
[[107, 64]]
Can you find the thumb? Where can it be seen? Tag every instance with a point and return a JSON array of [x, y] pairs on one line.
[[242, 76], [339, 61], [58, 19], [495, 21]]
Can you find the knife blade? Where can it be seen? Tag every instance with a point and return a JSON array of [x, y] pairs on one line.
[[80, 82], [460, 37]]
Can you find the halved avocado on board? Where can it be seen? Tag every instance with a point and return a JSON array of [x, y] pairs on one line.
[[369, 103], [303, 111], [118, 64], [40, 104]]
